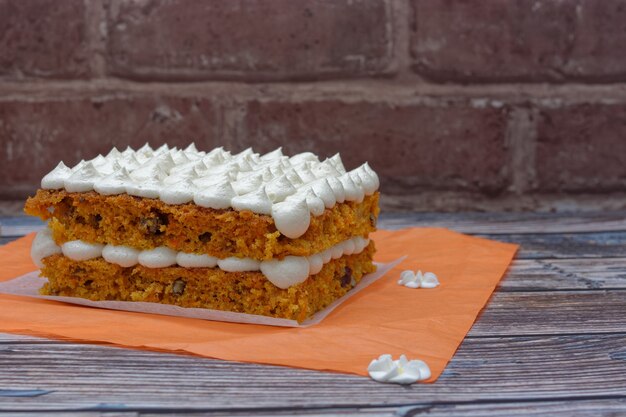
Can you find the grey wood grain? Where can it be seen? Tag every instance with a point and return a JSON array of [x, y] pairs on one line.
[[19, 225], [5, 240], [489, 369], [259, 412], [565, 274], [510, 223], [573, 407], [566, 245], [12, 338], [552, 312], [73, 414], [323, 412]]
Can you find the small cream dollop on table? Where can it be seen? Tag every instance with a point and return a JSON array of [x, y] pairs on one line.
[[401, 371], [411, 279]]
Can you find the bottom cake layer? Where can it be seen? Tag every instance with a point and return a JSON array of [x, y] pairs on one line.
[[243, 292]]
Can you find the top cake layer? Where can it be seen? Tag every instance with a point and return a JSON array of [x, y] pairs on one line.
[[289, 189]]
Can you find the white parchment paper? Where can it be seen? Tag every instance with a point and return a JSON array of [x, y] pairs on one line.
[[29, 284]]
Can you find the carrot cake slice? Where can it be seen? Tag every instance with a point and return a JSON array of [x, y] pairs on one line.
[[265, 234]]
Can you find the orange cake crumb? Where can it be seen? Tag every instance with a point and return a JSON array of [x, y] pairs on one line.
[[147, 223]]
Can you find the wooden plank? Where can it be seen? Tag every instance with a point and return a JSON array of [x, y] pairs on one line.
[[5, 240], [566, 245], [9, 338], [507, 223], [552, 313], [74, 414], [19, 225], [577, 408], [565, 274], [12, 207], [331, 412], [570, 408], [487, 370], [154, 412]]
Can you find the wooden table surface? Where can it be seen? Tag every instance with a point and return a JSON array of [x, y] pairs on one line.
[[552, 341]]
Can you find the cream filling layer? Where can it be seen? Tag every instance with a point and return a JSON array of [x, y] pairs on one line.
[[283, 273]]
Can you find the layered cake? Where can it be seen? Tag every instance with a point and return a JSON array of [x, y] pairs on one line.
[[269, 234]]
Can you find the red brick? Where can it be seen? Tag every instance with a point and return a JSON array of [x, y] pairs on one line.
[[249, 39], [599, 49], [582, 147], [36, 135], [43, 38], [526, 40], [448, 145]]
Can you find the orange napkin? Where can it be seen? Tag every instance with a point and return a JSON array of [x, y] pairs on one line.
[[426, 324]]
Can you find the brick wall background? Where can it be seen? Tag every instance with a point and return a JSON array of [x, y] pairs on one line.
[[457, 104]]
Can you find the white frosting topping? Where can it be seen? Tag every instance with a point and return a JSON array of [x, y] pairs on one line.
[[338, 190], [315, 204], [217, 196], [411, 279], [322, 189], [272, 184], [292, 217], [256, 201], [82, 179], [43, 246], [178, 193], [55, 178], [283, 273], [114, 183], [401, 371]]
